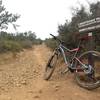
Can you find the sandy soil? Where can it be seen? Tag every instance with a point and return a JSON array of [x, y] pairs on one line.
[[22, 79]]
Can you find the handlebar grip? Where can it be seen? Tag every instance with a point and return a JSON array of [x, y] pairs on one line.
[[56, 38], [53, 36]]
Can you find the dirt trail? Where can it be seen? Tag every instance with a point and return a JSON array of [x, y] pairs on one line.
[[22, 79]]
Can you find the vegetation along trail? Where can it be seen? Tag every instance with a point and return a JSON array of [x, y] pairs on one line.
[[22, 79]]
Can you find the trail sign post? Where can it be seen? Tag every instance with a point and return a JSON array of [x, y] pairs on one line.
[[91, 41], [90, 27]]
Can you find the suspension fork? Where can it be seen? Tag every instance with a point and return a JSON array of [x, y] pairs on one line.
[[64, 56]]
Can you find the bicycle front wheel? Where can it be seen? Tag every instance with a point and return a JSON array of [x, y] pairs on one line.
[[88, 73], [50, 66]]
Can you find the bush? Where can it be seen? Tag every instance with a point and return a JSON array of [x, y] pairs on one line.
[[51, 43], [9, 46], [26, 44], [15, 43], [98, 48], [37, 41]]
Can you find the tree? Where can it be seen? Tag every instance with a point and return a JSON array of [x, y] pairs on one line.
[[95, 9], [6, 17], [31, 35], [68, 31]]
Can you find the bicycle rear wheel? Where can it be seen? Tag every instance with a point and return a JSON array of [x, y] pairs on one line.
[[50, 66], [88, 77]]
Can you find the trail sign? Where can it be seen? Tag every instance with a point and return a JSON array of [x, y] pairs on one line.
[[89, 26]]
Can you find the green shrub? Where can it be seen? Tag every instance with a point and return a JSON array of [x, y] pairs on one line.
[[26, 44], [9, 46], [37, 41], [98, 48], [51, 43]]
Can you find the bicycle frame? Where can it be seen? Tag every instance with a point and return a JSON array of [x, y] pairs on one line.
[[69, 64], [61, 48]]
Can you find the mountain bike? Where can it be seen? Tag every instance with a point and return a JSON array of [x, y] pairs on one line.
[[85, 66]]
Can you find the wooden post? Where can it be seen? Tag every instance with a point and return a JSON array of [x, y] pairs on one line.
[[91, 48], [91, 44]]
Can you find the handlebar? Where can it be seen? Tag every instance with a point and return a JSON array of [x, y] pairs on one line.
[[57, 38], [53, 36]]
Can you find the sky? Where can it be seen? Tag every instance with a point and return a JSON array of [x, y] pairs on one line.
[[42, 16]]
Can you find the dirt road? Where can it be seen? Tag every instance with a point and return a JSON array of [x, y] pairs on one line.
[[22, 79]]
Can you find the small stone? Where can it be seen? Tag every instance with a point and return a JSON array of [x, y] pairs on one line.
[[24, 82], [57, 86], [35, 71], [6, 89], [30, 91], [98, 95], [36, 96], [9, 98], [18, 85], [56, 89], [76, 94], [40, 91]]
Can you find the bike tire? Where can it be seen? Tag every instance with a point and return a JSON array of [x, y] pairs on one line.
[[79, 77], [50, 66]]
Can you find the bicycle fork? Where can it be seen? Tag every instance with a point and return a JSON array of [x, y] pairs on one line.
[[65, 60]]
